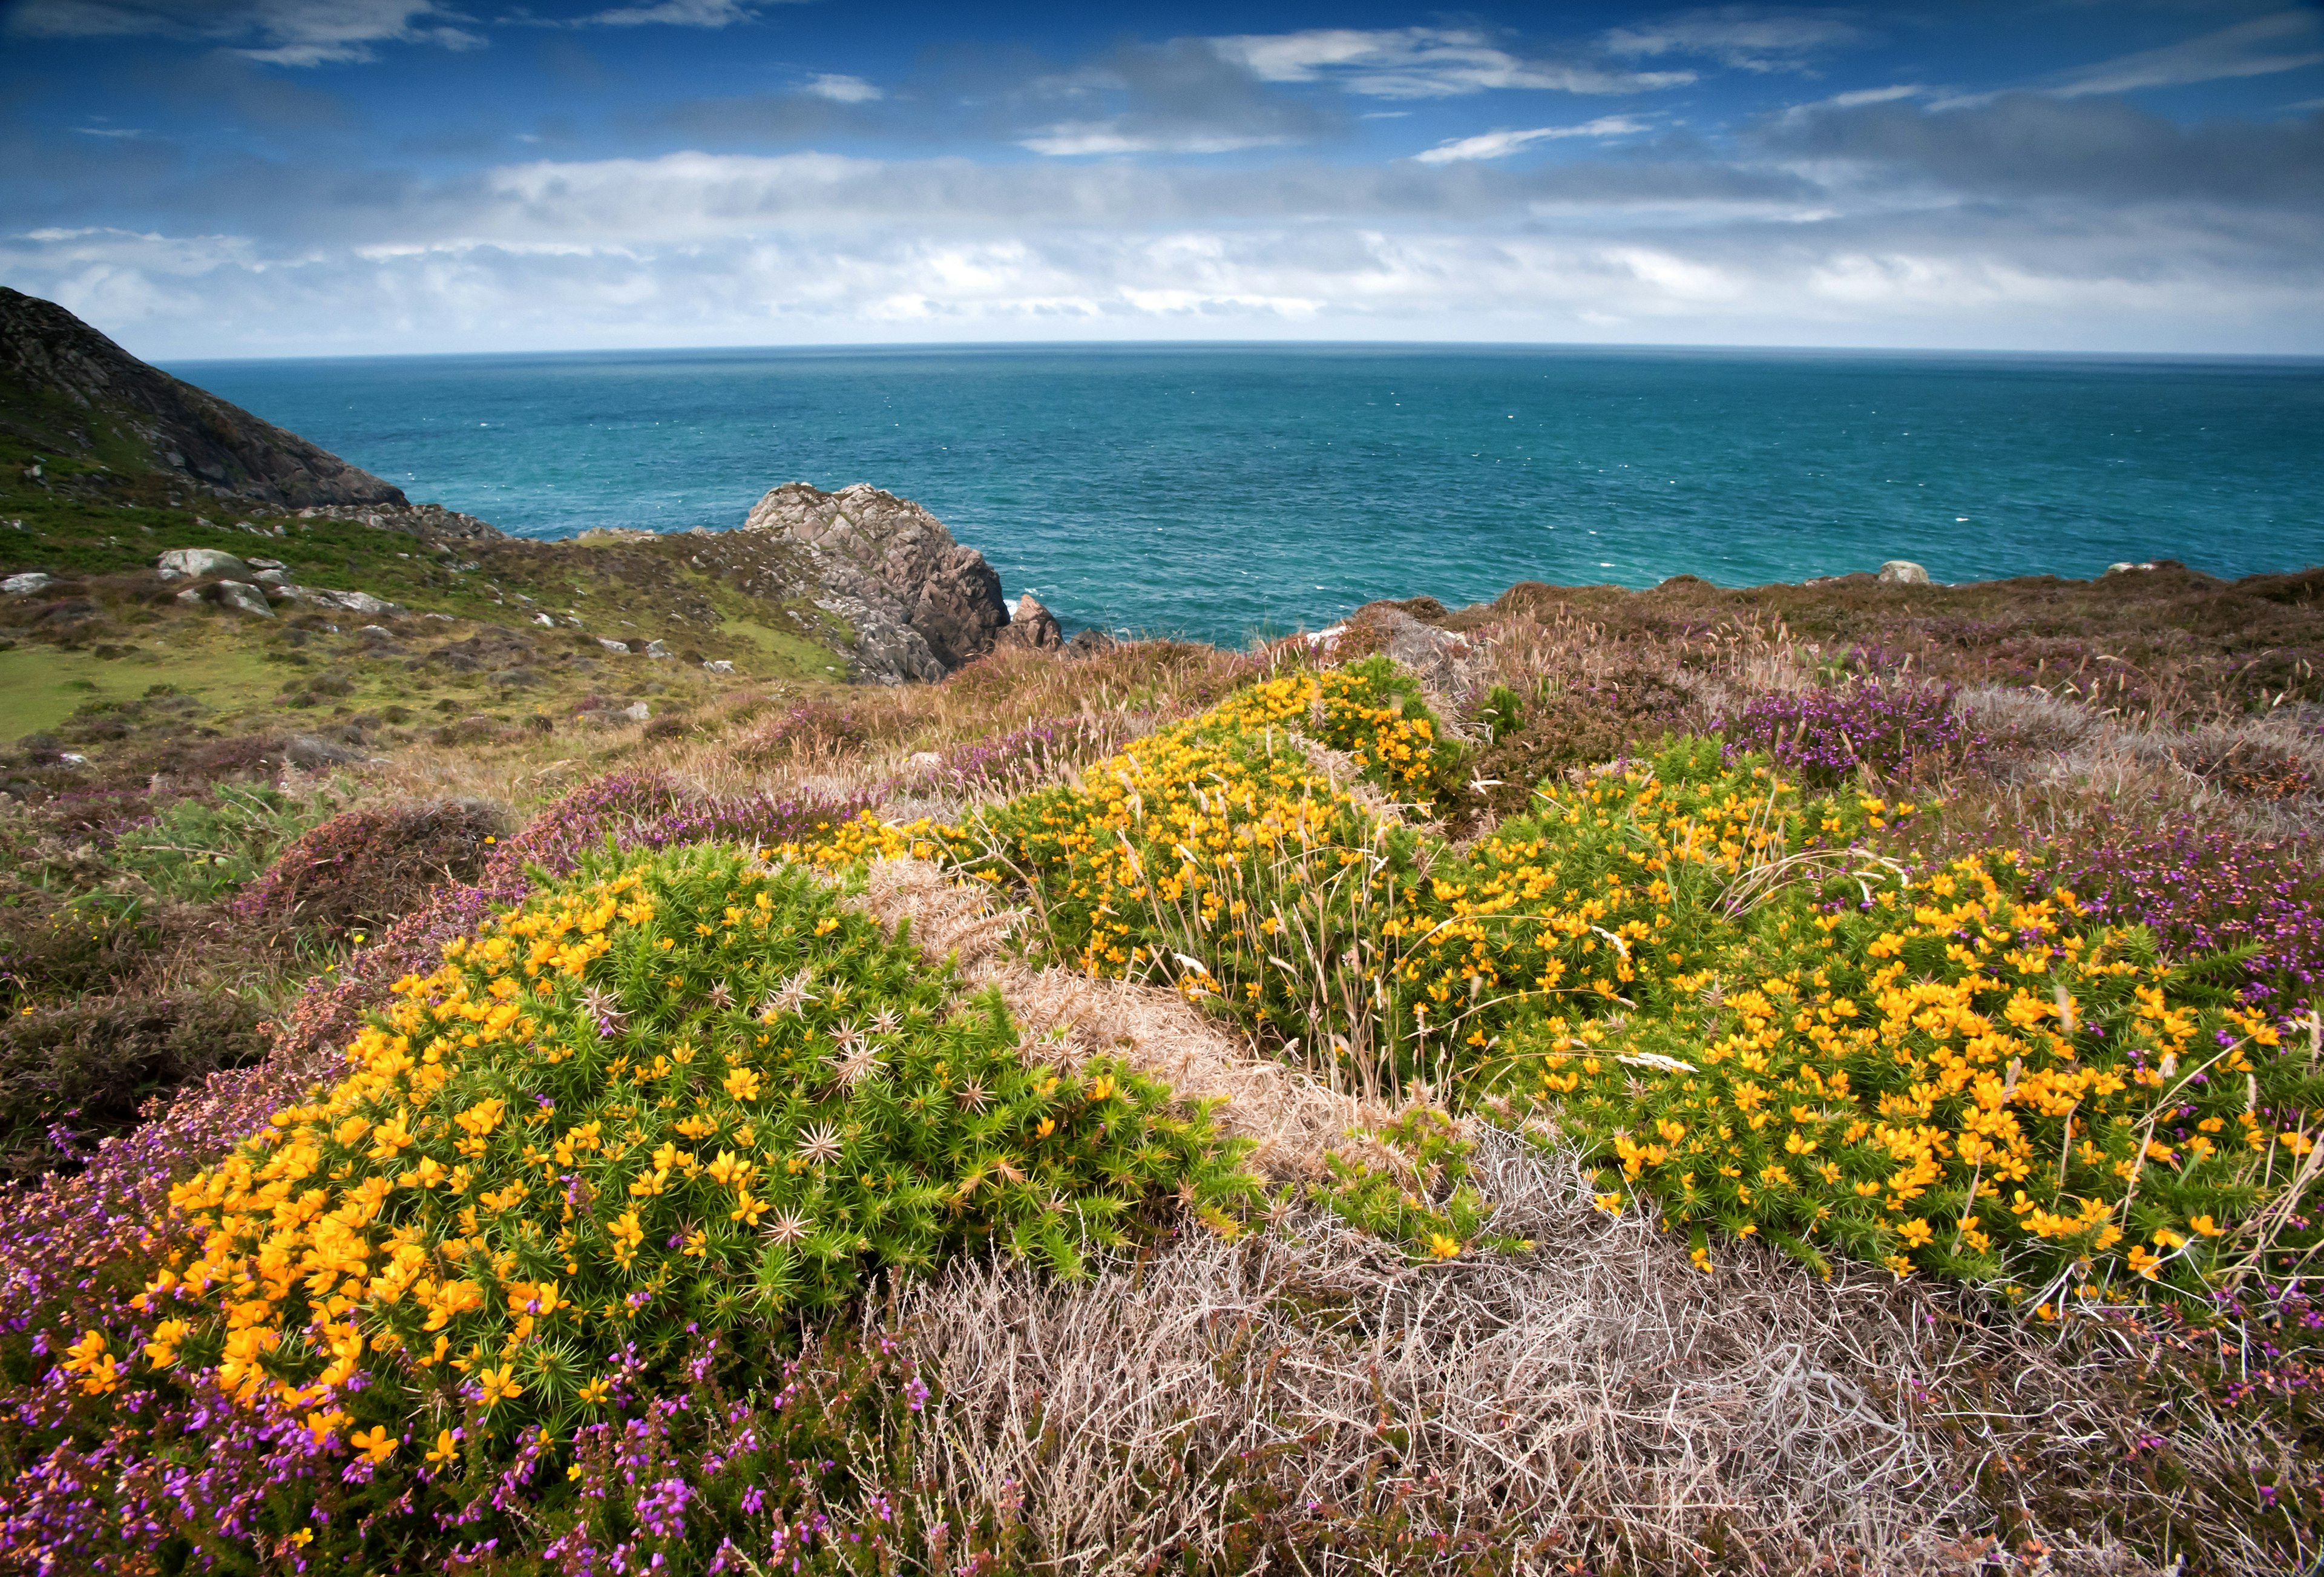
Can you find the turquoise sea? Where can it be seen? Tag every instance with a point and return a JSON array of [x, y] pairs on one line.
[[1218, 491]]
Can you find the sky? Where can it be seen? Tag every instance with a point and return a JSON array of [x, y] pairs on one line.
[[273, 178]]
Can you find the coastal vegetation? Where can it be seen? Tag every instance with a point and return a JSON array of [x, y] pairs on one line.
[[1821, 1078], [1921, 1057]]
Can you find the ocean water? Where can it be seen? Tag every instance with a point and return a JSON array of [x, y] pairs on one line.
[[1219, 492]]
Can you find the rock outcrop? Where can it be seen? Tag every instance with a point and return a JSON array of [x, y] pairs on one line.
[[919, 603], [1032, 626], [67, 384], [1902, 572]]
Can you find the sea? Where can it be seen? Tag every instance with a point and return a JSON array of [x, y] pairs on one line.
[[1220, 493]]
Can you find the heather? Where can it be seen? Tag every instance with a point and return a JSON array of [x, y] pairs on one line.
[[1804, 1096]]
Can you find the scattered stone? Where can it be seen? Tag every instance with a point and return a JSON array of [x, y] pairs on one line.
[[272, 577], [1032, 626], [719, 666], [622, 647], [193, 563], [30, 584], [637, 712], [543, 619], [1902, 572], [659, 649]]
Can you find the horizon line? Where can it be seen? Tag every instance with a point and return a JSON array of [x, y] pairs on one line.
[[1649, 347]]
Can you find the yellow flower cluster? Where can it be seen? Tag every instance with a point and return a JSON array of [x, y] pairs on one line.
[[291, 1254], [1946, 1075]]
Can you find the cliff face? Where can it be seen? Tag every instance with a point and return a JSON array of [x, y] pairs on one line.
[[920, 604], [69, 388]]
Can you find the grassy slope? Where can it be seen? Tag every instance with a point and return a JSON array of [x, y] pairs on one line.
[[94, 516]]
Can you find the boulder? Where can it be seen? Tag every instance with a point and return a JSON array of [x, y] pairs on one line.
[[194, 563], [718, 665], [659, 649], [1902, 572], [1089, 642], [622, 647], [888, 563], [637, 712], [1032, 625], [353, 602], [30, 584], [242, 597]]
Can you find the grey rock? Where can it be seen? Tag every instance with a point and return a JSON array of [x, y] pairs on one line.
[[193, 563], [659, 649], [1032, 626], [242, 597], [1902, 572], [620, 646], [2126, 568], [353, 602], [272, 577], [1090, 642], [637, 712], [719, 665], [265, 563], [544, 619], [899, 562], [30, 584], [313, 751]]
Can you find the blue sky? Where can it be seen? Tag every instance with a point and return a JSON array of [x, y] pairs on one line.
[[310, 177]]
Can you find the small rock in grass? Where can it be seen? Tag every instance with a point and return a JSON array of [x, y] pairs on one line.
[[620, 646], [637, 712], [719, 666], [659, 649], [30, 584]]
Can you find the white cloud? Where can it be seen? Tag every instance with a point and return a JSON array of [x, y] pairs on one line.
[[841, 89], [712, 14], [283, 32], [1747, 37], [1420, 62], [1501, 145], [2258, 48], [1074, 139]]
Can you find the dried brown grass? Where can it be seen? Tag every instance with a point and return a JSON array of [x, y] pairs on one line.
[[1310, 1400]]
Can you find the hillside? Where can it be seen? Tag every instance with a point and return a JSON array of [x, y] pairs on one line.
[[390, 622]]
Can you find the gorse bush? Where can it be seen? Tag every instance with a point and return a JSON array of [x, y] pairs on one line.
[[1953, 1073], [691, 1094]]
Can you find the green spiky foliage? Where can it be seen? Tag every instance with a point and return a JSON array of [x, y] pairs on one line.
[[690, 1094]]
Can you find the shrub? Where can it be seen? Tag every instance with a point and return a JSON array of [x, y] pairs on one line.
[[1828, 735], [691, 1096], [1955, 1074], [71, 1075], [2206, 890], [365, 868]]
